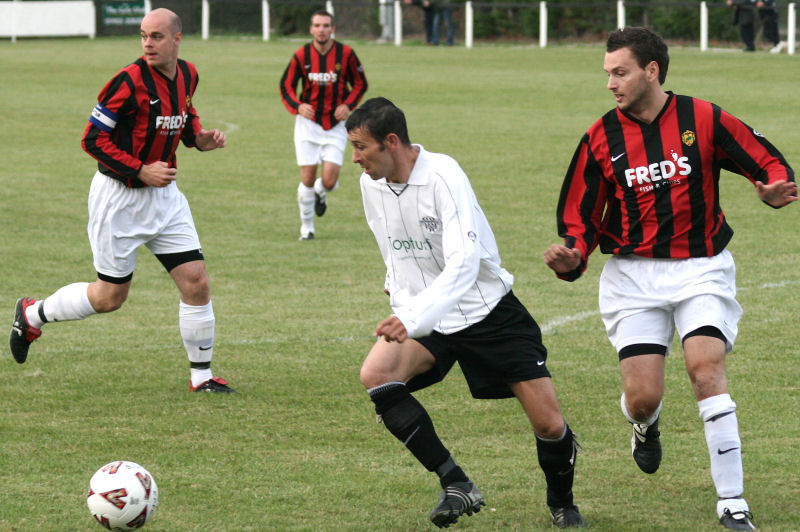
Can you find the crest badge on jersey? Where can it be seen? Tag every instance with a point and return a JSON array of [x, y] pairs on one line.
[[337, 67], [188, 100], [688, 137], [431, 224]]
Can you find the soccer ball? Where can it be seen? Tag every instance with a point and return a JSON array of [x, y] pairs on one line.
[[122, 496]]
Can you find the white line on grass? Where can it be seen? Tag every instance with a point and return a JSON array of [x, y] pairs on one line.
[[555, 323]]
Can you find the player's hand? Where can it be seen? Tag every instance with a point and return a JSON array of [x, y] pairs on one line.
[[777, 194], [157, 174], [562, 259], [341, 112], [392, 330], [306, 111], [210, 140]]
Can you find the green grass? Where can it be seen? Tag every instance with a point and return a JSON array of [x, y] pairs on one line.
[[298, 449]]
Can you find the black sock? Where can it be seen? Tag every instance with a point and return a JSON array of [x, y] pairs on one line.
[[557, 460], [450, 473], [408, 421]]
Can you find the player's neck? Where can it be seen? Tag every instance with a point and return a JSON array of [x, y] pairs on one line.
[[404, 165], [651, 107], [168, 72], [323, 48]]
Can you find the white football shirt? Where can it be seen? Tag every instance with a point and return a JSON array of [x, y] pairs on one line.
[[443, 268]]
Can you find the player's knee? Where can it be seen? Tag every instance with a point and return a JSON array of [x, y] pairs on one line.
[[551, 429], [707, 380], [371, 378], [109, 302], [641, 407]]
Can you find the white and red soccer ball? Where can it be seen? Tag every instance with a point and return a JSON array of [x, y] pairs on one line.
[[122, 496]]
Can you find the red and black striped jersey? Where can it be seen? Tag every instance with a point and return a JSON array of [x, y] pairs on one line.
[[653, 189], [329, 80], [139, 118]]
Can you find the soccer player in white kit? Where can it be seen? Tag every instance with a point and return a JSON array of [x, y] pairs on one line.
[[133, 132], [452, 302]]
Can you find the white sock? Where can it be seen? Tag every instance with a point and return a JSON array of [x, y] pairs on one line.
[[68, 303], [724, 446], [305, 200], [197, 331], [628, 415]]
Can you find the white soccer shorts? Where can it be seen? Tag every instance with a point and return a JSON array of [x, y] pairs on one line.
[[121, 219], [643, 301], [314, 145]]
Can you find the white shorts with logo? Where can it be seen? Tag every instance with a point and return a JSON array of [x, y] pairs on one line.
[[643, 301], [314, 145], [121, 219]]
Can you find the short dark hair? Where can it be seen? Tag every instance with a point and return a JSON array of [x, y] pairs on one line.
[[323, 13], [645, 46], [379, 117]]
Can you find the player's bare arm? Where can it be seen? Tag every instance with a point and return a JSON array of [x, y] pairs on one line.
[[392, 330], [157, 174], [210, 140], [562, 259], [306, 111], [777, 194]]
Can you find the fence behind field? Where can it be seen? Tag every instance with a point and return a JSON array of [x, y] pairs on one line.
[[704, 24]]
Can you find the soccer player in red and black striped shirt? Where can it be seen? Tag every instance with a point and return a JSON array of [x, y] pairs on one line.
[[644, 186], [333, 82], [141, 116]]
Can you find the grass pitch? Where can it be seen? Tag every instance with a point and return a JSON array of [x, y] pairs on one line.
[[297, 449]]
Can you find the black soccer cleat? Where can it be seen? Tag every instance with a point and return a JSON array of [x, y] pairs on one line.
[[456, 500], [214, 385], [22, 334], [646, 446], [737, 519], [307, 236], [568, 517], [320, 203]]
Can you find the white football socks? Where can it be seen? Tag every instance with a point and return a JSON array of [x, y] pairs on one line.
[[197, 331], [305, 200], [68, 303], [724, 446]]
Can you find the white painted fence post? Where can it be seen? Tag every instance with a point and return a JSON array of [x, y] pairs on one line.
[[620, 14], [205, 16], [542, 24], [703, 26], [398, 23], [792, 30], [468, 23]]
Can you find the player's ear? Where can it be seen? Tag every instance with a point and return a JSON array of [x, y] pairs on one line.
[[652, 70], [391, 141]]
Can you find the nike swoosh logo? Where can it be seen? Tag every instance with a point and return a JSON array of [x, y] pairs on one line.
[[613, 157], [720, 451], [540, 362], [205, 348], [153, 102]]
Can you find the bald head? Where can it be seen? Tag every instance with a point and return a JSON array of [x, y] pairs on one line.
[[161, 37], [165, 18]]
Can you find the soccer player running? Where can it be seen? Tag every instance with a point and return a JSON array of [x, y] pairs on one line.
[[133, 132], [333, 82], [452, 302], [644, 185]]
